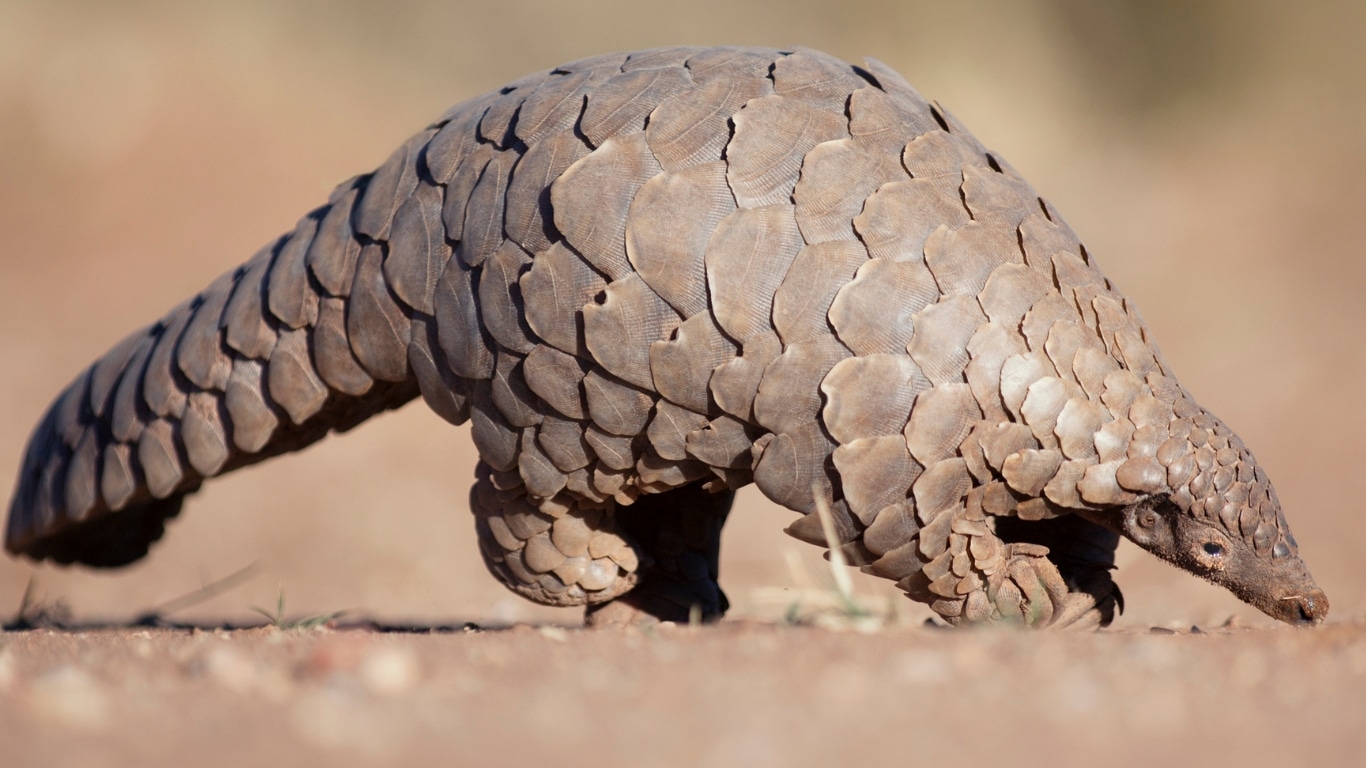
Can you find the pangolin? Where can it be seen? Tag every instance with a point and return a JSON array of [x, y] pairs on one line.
[[650, 279]]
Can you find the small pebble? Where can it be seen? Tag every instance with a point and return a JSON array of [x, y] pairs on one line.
[[554, 633], [72, 697], [389, 671]]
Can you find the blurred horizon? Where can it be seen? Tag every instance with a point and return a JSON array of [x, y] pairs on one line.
[[1211, 154]]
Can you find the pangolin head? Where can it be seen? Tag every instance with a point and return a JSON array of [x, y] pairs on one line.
[[1220, 519]]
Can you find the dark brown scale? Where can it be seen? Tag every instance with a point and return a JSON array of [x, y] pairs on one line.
[[290, 297], [443, 391], [388, 188], [482, 232], [200, 353], [331, 257], [377, 327], [418, 251], [459, 328]]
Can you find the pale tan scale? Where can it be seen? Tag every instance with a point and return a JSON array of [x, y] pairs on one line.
[[497, 440], [481, 234], [896, 221], [554, 292], [735, 384], [790, 393], [940, 487], [253, 421], [1010, 292], [592, 200], [939, 156], [125, 421], [510, 393], [1046, 312], [868, 396], [801, 305], [1041, 238], [963, 259], [82, 491], [792, 463], [1028, 471], [554, 106], [376, 325], [161, 390], [837, 178], [614, 452], [444, 392], [615, 405], [875, 472], [117, 481], [693, 127], [199, 353], [671, 220], [724, 442], [457, 140], [620, 331], [1112, 440], [542, 477], [668, 59], [994, 198], [746, 260], [1001, 441], [624, 102], [388, 188], [670, 427], [1065, 340], [940, 342], [460, 187], [816, 77], [884, 122], [990, 346], [772, 135], [332, 356], [556, 377], [892, 528], [161, 466], [872, 313], [939, 422], [682, 366]]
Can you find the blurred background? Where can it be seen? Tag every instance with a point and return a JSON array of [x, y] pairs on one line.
[[1211, 154]]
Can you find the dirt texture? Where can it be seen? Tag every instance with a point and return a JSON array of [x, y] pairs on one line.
[[736, 694], [1209, 154]]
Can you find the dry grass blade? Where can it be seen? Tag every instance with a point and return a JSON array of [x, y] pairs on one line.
[[828, 599], [278, 621]]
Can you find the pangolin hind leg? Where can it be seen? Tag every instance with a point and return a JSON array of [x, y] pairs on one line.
[[561, 552], [678, 534], [653, 560]]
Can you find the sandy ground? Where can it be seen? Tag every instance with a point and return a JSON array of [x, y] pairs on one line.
[[756, 695], [1211, 155]]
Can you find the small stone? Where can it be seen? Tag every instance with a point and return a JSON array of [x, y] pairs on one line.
[[71, 697], [389, 671]]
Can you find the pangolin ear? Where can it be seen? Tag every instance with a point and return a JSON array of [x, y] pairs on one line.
[[1146, 524]]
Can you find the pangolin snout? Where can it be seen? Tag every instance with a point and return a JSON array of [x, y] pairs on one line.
[[1307, 609]]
